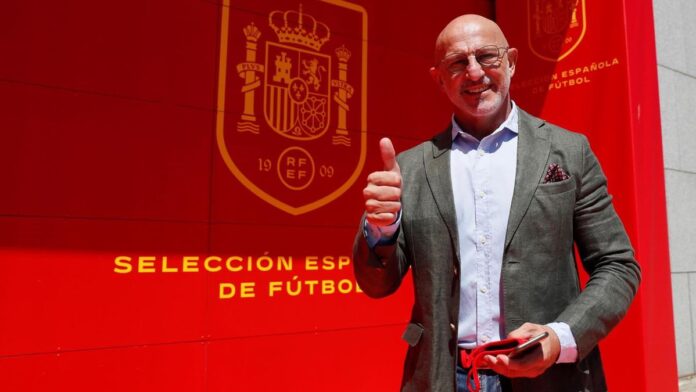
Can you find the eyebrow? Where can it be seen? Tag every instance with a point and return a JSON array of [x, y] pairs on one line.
[[458, 52]]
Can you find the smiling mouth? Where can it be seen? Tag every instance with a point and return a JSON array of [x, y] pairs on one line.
[[477, 89]]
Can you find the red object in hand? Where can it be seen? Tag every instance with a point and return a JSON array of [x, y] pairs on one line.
[[509, 346]]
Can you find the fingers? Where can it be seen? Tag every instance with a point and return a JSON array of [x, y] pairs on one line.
[[382, 204], [530, 363], [383, 191], [496, 362], [381, 219], [385, 178], [386, 148]]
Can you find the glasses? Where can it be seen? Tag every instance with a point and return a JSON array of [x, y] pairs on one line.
[[486, 56]]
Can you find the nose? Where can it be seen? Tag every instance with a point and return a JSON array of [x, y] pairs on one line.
[[474, 71]]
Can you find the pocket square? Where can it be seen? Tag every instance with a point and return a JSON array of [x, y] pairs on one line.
[[555, 173]]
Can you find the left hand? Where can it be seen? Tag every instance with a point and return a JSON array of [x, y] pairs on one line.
[[533, 362]]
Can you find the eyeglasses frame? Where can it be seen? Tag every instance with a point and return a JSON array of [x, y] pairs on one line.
[[501, 52]]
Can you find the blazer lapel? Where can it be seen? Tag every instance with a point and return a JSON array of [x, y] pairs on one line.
[[532, 154], [437, 173]]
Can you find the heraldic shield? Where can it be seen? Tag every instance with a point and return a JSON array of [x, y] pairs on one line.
[[296, 100], [556, 27], [292, 99]]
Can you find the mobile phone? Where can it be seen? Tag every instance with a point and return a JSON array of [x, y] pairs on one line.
[[533, 342]]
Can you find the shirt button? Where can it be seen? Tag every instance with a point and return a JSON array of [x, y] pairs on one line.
[[480, 153], [482, 239], [485, 338], [484, 290], [452, 327], [482, 194]]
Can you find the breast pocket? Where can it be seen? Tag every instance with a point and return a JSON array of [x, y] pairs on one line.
[[552, 188], [548, 222]]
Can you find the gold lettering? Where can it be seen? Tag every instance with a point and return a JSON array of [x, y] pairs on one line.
[[286, 264], [233, 259], [166, 268], [345, 286], [328, 263], [263, 267], [146, 264], [208, 261], [274, 287], [247, 290], [328, 287], [123, 265], [298, 287], [311, 263], [190, 264], [226, 290], [343, 261], [311, 284]]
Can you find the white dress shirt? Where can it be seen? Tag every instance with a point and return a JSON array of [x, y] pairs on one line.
[[483, 179]]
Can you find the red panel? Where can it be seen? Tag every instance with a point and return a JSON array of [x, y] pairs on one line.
[[116, 236], [155, 51], [63, 300], [657, 320], [85, 155], [335, 360], [108, 113], [179, 367]]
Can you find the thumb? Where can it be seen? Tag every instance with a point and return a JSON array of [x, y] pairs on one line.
[[386, 148]]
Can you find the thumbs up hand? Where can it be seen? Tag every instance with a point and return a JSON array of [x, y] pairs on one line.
[[383, 191]]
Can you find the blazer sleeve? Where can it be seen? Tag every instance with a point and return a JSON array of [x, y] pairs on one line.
[[606, 255], [379, 270]]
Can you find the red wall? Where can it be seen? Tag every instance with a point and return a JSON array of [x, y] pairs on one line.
[[115, 141]]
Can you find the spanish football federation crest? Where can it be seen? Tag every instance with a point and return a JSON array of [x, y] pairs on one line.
[[556, 27], [292, 99]]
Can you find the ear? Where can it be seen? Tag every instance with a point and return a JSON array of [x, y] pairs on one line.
[[437, 77], [512, 60]]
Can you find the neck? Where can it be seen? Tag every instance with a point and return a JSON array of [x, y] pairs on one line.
[[477, 129], [480, 127]]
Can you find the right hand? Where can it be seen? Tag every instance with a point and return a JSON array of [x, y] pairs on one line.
[[383, 191]]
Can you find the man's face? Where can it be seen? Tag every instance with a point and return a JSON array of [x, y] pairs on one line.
[[473, 69]]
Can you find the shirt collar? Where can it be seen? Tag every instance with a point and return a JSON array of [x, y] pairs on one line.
[[510, 123]]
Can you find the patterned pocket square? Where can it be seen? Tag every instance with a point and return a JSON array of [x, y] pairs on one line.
[[555, 173]]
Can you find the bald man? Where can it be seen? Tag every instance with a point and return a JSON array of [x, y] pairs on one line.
[[485, 215]]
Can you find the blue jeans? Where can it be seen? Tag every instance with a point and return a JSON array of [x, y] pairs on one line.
[[490, 382]]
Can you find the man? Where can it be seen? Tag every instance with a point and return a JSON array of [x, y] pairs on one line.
[[485, 215]]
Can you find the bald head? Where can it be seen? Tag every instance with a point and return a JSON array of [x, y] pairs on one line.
[[473, 67], [464, 27]]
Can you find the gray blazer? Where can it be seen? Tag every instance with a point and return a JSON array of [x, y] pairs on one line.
[[539, 276]]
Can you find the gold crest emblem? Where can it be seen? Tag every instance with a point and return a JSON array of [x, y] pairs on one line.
[[308, 145], [556, 27]]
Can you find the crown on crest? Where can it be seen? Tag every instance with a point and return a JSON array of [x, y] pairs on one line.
[[252, 32], [298, 28], [343, 53]]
